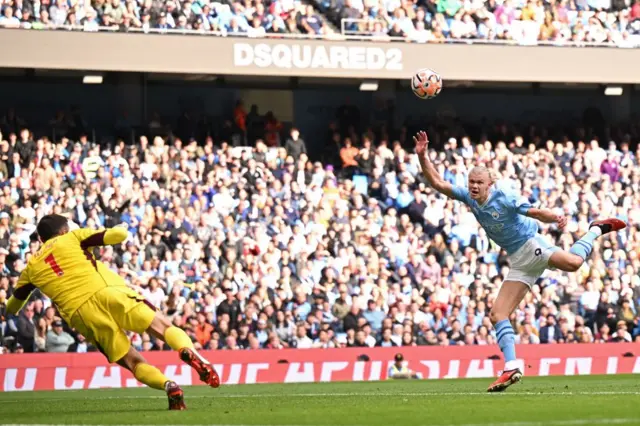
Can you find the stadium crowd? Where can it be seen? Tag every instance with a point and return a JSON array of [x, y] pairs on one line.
[[248, 17], [261, 247], [522, 21], [615, 22]]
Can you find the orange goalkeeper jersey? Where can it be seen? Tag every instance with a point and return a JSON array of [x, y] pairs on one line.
[[66, 271]]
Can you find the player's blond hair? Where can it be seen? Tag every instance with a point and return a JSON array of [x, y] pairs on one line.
[[494, 176]]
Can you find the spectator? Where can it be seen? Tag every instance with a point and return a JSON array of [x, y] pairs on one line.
[[374, 316], [163, 23], [621, 334], [7, 19], [551, 331], [589, 301], [284, 327], [348, 13], [295, 145], [276, 28], [348, 154], [421, 34], [154, 293], [156, 249], [323, 341], [274, 342], [113, 212], [386, 339], [396, 31], [627, 314], [92, 163], [26, 328], [351, 320], [595, 155], [340, 307], [81, 345], [301, 340], [272, 130], [527, 335], [365, 162], [230, 306], [58, 340], [40, 335], [603, 335], [359, 339], [203, 330], [114, 12], [90, 22], [231, 344], [610, 167], [58, 12], [310, 21], [25, 147]]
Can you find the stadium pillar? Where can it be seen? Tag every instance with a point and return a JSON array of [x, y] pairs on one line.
[[620, 106], [130, 97]]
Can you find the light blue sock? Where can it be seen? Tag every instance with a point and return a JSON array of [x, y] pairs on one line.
[[506, 340], [584, 245]]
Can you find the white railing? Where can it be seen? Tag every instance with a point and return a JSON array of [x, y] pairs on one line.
[[332, 37]]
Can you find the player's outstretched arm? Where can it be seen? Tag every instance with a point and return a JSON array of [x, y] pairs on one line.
[[105, 237], [428, 170], [547, 216], [21, 294], [15, 305], [116, 235]]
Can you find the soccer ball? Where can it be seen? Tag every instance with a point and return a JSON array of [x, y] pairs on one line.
[[426, 84]]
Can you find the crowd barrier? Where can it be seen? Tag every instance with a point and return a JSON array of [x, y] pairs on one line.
[[26, 372]]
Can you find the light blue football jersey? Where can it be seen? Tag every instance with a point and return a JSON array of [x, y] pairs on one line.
[[502, 216]]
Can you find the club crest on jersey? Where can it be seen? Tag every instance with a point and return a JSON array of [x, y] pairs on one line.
[[495, 215]]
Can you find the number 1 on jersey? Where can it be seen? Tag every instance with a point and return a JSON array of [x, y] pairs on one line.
[[51, 261]]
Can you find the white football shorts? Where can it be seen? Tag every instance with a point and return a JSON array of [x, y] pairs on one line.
[[530, 261]]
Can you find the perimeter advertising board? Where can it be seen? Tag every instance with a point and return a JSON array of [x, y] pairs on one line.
[[91, 371]]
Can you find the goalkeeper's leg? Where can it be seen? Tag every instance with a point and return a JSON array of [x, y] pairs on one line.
[[152, 377], [178, 340]]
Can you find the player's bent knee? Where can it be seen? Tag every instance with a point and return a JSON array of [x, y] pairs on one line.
[[576, 263], [159, 325], [164, 321], [571, 268], [566, 261], [496, 317], [572, 264], [131, 360]]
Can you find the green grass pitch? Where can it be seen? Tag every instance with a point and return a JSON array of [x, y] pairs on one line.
[[546, 401]]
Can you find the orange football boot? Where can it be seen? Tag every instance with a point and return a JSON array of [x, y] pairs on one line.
[[176, 396], [204, 368], [609, 225], [506, 379]]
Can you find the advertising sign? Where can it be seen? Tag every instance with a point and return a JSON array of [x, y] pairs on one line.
[[28, 372], [288, 56]]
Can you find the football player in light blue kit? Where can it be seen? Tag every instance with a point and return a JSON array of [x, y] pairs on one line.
[[511, 221]]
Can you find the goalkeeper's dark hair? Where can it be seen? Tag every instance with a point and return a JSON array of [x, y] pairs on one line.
[[51, 226]]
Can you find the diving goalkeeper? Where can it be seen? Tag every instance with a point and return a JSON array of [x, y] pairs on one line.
[[98, 303]]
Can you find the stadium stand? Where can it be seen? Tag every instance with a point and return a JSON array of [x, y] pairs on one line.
[[262, 247], [524, 22], [581, 22], [251, 18]]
